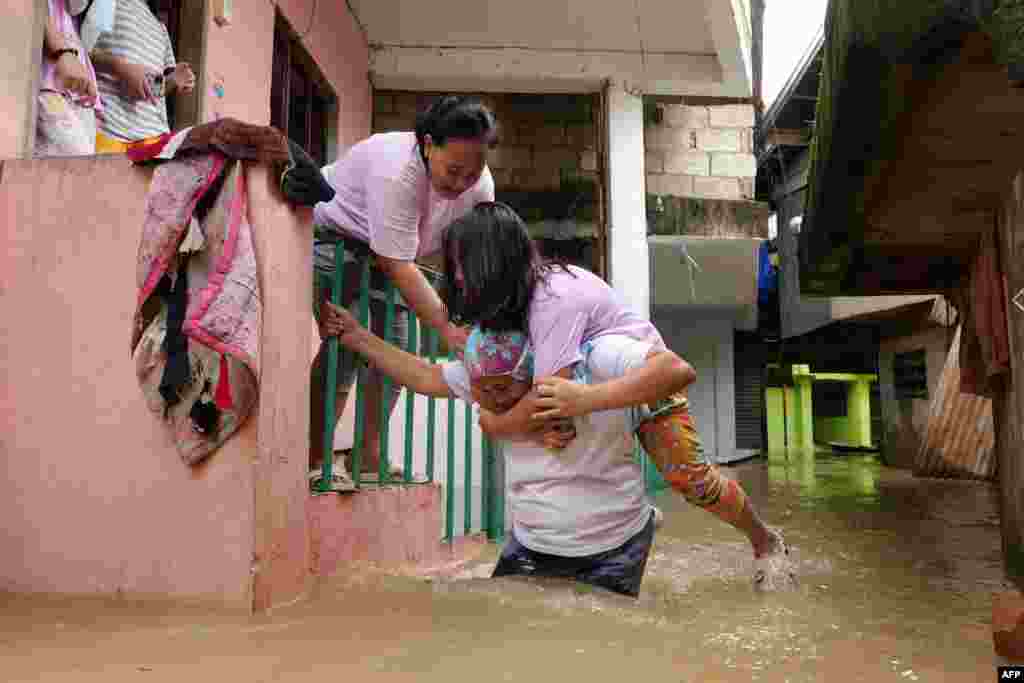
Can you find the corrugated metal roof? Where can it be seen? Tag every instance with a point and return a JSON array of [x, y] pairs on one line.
[[959, 440]]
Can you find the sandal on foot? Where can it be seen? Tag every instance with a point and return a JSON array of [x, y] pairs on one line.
[[397, 477], [340, 481], [659, 516], [774, 570]]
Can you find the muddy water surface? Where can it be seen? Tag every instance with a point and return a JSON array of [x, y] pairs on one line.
[[896, 577]]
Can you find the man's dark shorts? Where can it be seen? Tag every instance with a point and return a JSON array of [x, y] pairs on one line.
[[620, 570]]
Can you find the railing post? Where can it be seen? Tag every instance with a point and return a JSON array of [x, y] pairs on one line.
[[360, 433], [468, 493], [450, 475], [497, 512], [485, 486], [384, 462], [331, 381], [410, 397], [431, 406]]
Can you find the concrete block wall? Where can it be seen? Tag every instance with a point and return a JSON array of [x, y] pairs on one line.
[[700, 151], [547, 164], [541, 136]]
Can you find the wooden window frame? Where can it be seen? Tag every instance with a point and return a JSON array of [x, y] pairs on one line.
[[312, 98], [189, 45]]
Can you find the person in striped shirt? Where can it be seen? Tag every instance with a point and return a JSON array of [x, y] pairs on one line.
[[137, 71]]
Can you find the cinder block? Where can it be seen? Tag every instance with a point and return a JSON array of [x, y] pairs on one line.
[[684, 116], [503, 178], [581, 135], [747, 140], [549, 134], [513, 158], [554, 158], [666, 137], [588, 160], [719, 140], [716, 188], [406, 105], [675, 185], [733, 165], [537, 179], [732, 116], [383, 103], [689, 162], [387, 123], [654, 161]]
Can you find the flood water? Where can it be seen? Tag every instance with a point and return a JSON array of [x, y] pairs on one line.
[[896, 578]]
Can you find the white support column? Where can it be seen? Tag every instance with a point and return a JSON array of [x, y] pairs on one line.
[[629, 260]]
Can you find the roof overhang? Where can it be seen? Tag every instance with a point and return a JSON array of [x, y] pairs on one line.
[[918, 134], [658, 47]]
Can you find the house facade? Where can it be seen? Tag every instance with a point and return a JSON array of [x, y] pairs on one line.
[[905, 340], [242, 529], [920, 191]]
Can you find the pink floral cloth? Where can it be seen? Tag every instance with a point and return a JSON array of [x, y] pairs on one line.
[[491, 354], [224, 310]]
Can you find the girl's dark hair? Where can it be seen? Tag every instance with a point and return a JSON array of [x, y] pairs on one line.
[[458, 117], [501, 269]]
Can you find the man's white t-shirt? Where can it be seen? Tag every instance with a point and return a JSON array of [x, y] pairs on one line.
[[590, 497]]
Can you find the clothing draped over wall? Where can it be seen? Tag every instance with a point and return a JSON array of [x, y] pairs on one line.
[[197, 325]]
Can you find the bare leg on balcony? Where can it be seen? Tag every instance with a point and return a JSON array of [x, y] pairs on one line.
[[371, 380], [374, 383], [316, 407]]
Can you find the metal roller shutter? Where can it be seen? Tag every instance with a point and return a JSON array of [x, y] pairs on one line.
[[750, 352]]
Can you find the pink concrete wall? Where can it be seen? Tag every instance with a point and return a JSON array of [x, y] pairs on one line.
[[284, 246], [393, 525], [239, 56], [93, 495], [21, 38]]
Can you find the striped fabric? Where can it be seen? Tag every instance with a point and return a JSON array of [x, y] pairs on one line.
[[140, 38]]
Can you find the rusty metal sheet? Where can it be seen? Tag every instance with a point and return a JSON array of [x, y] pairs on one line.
[[959, 440]]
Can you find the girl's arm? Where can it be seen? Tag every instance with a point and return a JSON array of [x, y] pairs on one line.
[[519, 422], [663, 373], [406, 369]]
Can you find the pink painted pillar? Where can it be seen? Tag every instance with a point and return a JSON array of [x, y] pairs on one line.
[[284, 239], [21, 34]]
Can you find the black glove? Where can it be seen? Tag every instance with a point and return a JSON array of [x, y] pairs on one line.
[[302, 182]]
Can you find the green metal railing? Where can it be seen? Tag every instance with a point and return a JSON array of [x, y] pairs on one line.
[[491, 518]]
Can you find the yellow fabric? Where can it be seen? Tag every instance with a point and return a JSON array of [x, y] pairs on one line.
[[108, 145], [673, 445]]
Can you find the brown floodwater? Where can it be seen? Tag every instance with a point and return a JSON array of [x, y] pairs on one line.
[[896, 581]]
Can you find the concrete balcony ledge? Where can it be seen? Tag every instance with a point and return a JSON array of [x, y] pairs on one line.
[[722, 275]]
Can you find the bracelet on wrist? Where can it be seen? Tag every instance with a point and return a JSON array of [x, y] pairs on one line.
[[57, 54]]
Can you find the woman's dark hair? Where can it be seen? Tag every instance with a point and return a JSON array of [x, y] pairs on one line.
[[501, 268], [458, 117]]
